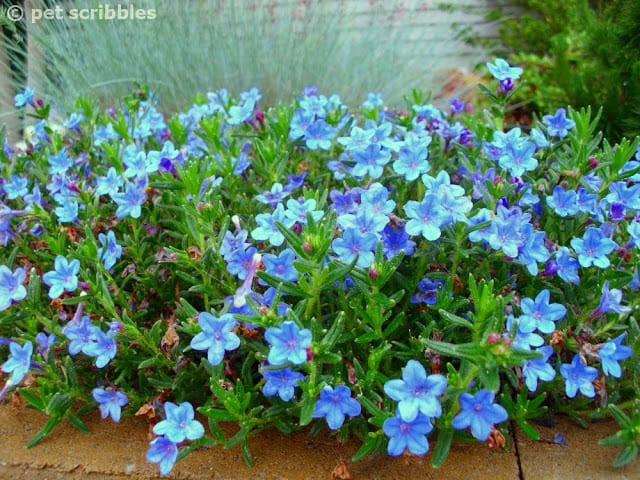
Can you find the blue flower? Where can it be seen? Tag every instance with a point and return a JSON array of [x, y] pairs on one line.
[[543, 312], [404, 435], [19, 361], [24, 98], [11, 286], [281, 382], [288, 343], [365, 221], [297, 210], [428, 291], [299, 124], [373, 101], [578, 376], [334, 405], [625, 195], [538, 369], [558, 125], [68, 210], [517, 157], [179, 423], [267, 226], [281, 265], [524, 337], [533, 251], [506, 231], [64, 277], [60, 163], [370, 161], [314, 105], [109, 184], [136, 162], [102, 347], [567, 266], [111, 250], [416, 392], [395, 239], [104, 133], [502, 71], [480, 413], [16, 187], [216, 336], [425, 218], [239, 261], [43, 342], [593, 248], [273, 196], [352, 244], [319, 135], [564, 203], [611, 353], [231, 243], [130, 201], [163, 451], [110, 402], [610, 302], [240, 296], [73, 121], [358, 139], [80, 331]]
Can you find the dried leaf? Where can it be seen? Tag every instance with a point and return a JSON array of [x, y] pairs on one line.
[[341, 472], [147, 411]]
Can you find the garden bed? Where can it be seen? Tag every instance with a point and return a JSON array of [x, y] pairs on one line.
[[406, 280]]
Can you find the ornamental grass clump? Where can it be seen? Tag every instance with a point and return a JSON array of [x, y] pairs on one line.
[[403, 278]]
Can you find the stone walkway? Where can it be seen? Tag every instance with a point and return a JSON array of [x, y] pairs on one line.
[[116, 451]]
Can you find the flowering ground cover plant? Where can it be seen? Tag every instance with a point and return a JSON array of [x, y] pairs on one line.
[[402, 277]]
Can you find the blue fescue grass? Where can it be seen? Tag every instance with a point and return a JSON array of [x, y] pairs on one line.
[[193, 47]]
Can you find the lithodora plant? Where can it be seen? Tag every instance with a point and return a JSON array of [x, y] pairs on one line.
[[402, 277]]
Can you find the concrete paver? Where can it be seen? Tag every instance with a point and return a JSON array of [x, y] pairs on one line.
[[581, 458], [115, 451]]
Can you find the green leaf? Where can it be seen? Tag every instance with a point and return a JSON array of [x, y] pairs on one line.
[[44, 431], [627, 455], [619, 416], [490, 378], [33, 289], [70, 372], [371, 407], [308, 405], [455, 319], [612, 440], [463, 350], [217, 414], [337, 273], [441, 450], [78, 423], [238, 437], [528, 429], [334, 332], [246, 452], [370, 445], [59, 404], [33, 399], [283, 285]]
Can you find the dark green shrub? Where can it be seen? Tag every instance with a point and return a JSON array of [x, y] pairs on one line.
[[579, 53]]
